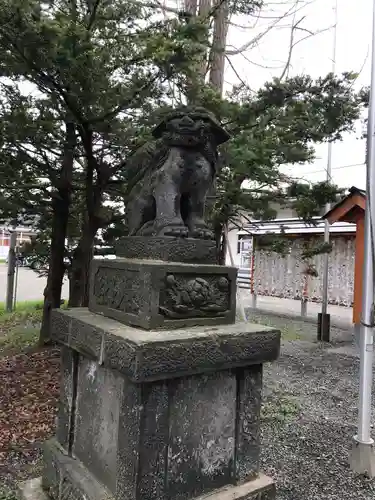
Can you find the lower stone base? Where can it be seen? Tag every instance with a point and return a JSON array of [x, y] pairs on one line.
[[65, 478], [259, 489]]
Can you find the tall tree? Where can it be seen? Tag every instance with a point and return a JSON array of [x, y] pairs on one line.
[[101, 66], [37, 162]]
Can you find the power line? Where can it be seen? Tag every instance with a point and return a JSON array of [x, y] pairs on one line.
[[334, 168]]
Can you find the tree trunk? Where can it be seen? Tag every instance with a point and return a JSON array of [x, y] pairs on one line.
[[83, 254], [80, 270], [60, 217], [191, 6], [56, 270], [204, 11], [217, 56]]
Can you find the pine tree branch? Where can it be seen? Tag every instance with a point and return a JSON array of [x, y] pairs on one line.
[[43, 80], [127, 102]]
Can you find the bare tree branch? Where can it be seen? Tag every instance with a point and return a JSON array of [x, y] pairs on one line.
[[235, 71], [293, 44], [296, 7], [255, 40]]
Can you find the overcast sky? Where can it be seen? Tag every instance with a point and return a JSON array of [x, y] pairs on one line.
[[313, 56]]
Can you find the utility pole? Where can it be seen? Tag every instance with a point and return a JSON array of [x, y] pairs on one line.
[[11, 271], [362, 458], [324, 319]]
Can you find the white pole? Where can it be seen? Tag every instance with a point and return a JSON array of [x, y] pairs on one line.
[[363, 456], [239, 298], [323, 319]]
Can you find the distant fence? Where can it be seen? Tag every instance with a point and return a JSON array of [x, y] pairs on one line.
[[274, 275]]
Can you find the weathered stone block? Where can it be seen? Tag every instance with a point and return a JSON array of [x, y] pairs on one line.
[[68, 479], [154, 294], [158, 414], [167, 248], [157, 440], [162, 414], [160, 354], [249, 398], [69, 364], [201, 451], [99, 394]]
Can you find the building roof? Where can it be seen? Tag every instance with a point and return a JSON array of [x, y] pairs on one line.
[[342, 218], [348, 209], [294, 226]]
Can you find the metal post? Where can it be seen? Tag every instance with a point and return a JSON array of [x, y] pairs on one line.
[[324, 317], [363, 457], [11, 271], [15, 285], [305, 295]]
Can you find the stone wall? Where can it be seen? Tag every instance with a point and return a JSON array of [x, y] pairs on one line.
[[279, 276]]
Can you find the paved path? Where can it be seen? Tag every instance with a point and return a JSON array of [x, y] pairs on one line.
[[340, 316], [29, 285]]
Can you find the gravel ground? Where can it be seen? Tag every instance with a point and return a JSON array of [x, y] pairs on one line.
[[310, 415]]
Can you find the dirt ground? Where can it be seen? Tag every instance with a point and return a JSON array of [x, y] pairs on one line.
[[29, 388], [309, 415]]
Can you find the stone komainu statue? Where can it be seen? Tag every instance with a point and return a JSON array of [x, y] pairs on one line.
[[169, 179]]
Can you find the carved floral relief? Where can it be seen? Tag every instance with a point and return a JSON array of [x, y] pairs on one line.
[[187, 296]]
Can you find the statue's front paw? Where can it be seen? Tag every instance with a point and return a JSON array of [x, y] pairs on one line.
[[203, 234], [177, 232]]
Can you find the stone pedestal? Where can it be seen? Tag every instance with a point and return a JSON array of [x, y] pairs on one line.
[[158, 414], [161, 391]]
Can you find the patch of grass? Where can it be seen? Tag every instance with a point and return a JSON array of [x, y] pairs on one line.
[[282, 409], [288, 331], [16, 318], [19, 338], [20, 328], [22, 307]]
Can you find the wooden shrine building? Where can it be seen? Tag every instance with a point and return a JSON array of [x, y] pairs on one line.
[[352, 209]]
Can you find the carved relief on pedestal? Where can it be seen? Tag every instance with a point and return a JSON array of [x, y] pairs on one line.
[[190, 296], [118, 290]]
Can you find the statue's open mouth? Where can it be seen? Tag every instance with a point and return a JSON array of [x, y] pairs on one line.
[[192, 131], [187, 130]]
